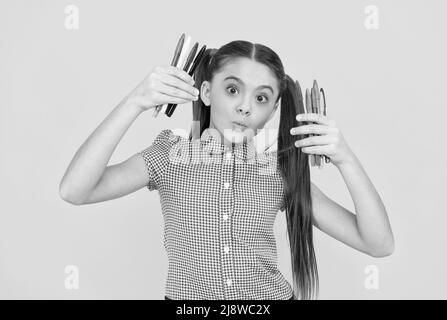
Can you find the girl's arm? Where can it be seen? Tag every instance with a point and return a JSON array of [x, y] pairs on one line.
[[368, 230], [372, 219], [87, 179], [90, 161]]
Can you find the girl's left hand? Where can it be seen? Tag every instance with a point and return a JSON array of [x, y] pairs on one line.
[[329, 142]]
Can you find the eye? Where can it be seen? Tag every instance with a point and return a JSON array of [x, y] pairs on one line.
[[266, 98], [231, 87]]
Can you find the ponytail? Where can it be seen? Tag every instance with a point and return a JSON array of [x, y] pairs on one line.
[[294, 167], [200, 112]]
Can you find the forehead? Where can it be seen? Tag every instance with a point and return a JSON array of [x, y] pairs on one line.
[[252, 73]]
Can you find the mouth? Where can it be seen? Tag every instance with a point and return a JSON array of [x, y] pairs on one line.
[[239, 125]]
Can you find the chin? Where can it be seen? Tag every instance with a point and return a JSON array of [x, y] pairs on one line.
[[237, 136]]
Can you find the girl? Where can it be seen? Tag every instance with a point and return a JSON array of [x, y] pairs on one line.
[[219, 211]]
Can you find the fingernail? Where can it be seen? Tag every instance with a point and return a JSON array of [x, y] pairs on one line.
[[298, 117]]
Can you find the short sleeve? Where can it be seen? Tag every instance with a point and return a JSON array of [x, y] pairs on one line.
[[156, 158]]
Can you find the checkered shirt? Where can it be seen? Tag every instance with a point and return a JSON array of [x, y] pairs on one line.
[[219, 204]]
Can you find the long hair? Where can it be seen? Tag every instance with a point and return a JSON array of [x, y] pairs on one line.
[[293, 163]]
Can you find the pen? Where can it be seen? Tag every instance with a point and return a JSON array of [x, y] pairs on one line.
[[171, 107], [308, 109], [178, 50], [323, 100], [315, 94], [191, 71]]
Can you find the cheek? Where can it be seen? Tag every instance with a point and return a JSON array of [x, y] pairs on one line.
[[262, 116], [218, 110], [219, 115], [259, 121], [220, 107]]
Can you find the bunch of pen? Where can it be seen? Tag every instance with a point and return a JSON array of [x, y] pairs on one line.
[[183, 60], [315, 103]]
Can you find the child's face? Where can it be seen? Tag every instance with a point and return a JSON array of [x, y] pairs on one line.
[[250, 100]]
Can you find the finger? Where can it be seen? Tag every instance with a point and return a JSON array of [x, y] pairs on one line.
[[166, 99], [321, 150], [315, 117], [175, 92], [314, 141], [179, 73], [180, 84], [312, 128]]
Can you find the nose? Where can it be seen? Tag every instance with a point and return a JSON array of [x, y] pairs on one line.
[[244, 109]]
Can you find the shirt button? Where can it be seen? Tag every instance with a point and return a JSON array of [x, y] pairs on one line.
[[229, 282], [226, 185], [227, 249], [225, 216], [228, 155]]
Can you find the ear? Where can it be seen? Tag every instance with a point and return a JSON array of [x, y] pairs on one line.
[[205, 93]]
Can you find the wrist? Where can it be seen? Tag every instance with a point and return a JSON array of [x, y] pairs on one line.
[[129, 105], [347, 161]]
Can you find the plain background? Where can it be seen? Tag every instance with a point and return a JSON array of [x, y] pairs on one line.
[[384, 89]]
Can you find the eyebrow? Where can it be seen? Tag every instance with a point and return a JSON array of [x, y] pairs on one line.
[[239, 80]]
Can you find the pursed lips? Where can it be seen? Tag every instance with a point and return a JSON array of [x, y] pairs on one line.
[[240, 124]]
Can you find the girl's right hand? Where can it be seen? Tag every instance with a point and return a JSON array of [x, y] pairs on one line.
[[163, 85]]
